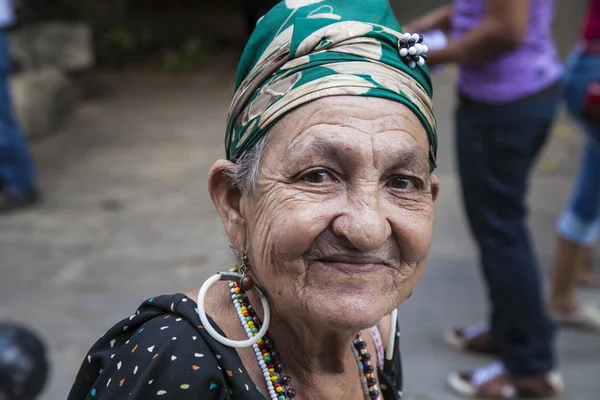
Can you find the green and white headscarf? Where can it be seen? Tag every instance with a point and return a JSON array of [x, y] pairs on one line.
[[303, 50]]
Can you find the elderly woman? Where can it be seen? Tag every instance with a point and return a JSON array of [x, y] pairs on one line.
[[327, 196]]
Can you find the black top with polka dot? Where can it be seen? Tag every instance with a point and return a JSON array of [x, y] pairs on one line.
[[163, 352]]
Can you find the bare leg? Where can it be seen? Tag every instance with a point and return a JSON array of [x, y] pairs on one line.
[[569, 260], [585, 273]]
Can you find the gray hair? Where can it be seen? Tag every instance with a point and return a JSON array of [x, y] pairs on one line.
[[244, 173]]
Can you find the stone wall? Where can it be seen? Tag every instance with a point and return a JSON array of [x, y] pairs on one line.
[[49, 58]]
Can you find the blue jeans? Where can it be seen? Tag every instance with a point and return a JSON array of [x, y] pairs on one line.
[[580, 221], [16, 169], [497, 145]]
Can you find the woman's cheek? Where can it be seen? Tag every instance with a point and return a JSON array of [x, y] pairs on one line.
[[297, 225], [413, 231]]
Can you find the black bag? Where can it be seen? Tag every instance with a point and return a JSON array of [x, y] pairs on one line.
[[23, 363]]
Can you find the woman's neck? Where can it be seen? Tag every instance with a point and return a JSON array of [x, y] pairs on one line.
[[320, 360]]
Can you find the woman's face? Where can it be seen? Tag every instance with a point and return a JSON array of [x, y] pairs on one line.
[[340, 227]]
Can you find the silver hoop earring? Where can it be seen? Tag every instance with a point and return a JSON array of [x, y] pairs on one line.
[[247, 283]]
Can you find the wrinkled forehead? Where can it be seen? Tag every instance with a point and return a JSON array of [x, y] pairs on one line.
[[343, 126]]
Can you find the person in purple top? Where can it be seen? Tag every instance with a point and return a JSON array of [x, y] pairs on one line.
[[508, 89]]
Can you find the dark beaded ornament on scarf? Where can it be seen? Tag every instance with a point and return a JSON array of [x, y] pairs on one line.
[[412, 50]]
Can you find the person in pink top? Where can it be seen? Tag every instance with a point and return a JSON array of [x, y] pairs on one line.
[[579, 225]]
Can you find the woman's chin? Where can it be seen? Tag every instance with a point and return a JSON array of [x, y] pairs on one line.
[[353, 311], [357, 302]]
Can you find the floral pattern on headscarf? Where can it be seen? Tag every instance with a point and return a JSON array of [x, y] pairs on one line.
[[303, 50]]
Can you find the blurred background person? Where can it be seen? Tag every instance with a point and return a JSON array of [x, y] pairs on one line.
[[508, 88], [23, 363], [579, 223], [17, 175]]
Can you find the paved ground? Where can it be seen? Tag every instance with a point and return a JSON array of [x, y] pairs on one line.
[[127, 216]]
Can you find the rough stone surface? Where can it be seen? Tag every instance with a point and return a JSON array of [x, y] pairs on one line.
[[42, 98], [45, 56], [64, 46]]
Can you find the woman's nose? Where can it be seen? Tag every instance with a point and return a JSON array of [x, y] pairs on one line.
[[363, 222]]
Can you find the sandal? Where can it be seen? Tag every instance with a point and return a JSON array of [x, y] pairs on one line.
[[493, 382], [474, 338], [585, 317]]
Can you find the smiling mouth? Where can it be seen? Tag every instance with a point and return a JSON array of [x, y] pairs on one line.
[[353, 265]]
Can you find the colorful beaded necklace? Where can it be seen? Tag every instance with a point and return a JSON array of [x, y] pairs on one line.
[[278, 384]]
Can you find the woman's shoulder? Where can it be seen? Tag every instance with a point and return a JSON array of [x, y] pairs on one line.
[[162, 349]]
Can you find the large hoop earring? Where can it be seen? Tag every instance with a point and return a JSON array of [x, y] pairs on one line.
[[232, 276]]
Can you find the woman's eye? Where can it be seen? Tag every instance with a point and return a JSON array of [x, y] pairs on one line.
[[403, 183], [320, 176]]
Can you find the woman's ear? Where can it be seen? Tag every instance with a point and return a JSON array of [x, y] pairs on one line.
[[226, 197], [435, 187]]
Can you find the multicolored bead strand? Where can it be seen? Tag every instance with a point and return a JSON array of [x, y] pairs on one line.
[[267, 357], [368, 370]]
